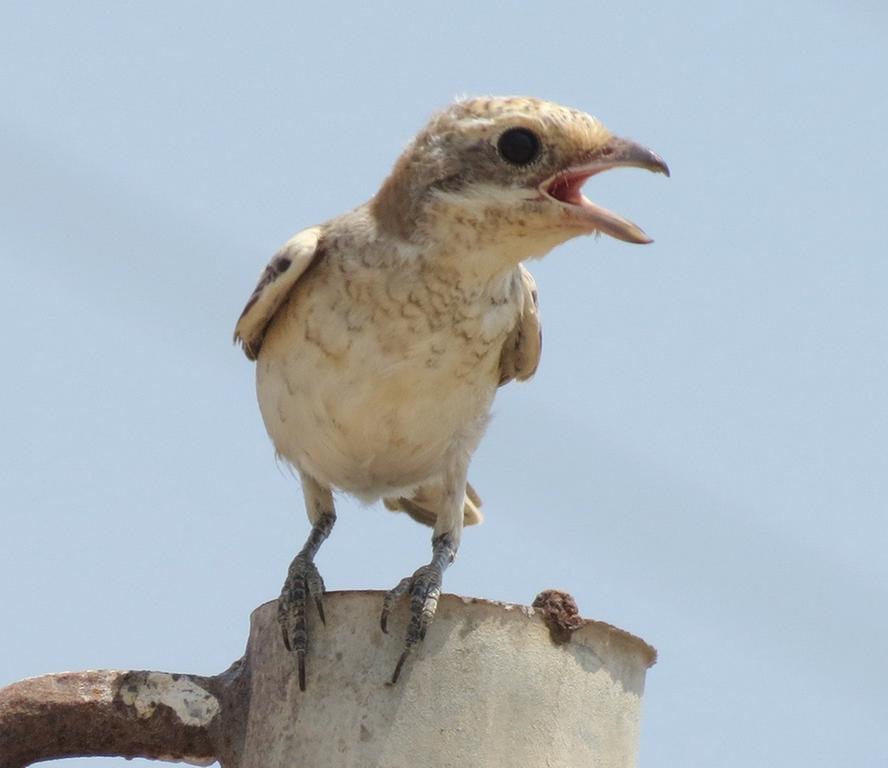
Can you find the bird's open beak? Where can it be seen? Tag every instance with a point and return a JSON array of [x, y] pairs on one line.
[[565, 187]]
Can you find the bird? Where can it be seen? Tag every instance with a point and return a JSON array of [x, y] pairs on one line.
[[381, 336]]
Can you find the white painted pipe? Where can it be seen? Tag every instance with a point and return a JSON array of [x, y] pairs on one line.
[[488, 687]]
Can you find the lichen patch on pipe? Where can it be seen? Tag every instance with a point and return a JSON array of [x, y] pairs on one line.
[[95, 687], [191, 704]]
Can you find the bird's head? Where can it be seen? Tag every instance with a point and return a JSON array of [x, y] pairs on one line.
[[508, 171]]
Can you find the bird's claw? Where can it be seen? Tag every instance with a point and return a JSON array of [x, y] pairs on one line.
[[424, 588], [303, 581]]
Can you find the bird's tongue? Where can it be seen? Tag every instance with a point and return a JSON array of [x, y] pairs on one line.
[[567, 188]]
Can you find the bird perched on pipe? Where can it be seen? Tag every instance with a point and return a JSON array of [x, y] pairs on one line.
[[381, 336]]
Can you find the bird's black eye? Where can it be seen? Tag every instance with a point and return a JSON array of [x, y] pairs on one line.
[[518, 146]]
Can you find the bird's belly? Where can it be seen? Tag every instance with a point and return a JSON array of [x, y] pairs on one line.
[[371, 418]]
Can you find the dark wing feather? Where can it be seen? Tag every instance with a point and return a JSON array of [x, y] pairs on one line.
[[275, 284]]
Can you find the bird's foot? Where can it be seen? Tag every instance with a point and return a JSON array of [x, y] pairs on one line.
[[303, 582], [424, 588]]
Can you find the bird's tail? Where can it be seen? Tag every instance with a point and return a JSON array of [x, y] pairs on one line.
[[422, 504]]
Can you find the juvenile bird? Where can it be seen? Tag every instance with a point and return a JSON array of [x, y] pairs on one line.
[[381, 336]]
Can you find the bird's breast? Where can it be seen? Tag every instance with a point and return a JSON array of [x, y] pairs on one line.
[[368, 382]]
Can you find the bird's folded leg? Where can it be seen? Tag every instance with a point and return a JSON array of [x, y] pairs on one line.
[[303, 579], [424, 588]]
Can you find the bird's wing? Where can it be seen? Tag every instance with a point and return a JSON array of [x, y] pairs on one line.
[[275, 284], [521, 350], [423, 504]]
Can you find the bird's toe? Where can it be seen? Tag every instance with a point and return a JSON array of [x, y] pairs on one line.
[[303, 582], [424, 589]]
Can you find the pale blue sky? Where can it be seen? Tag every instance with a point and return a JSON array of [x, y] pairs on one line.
[[702, 458]]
